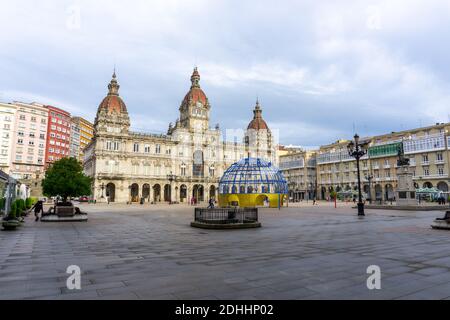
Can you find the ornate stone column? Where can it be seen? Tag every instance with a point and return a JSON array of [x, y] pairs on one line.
[[176, 190], [151, 193]]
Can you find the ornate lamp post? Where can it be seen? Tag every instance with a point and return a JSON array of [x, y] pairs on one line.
[[291, 191], [357, 151], [7, 197], [448, 197], [369, 178], [313, 190], [170, 177], [102, 186], [310, 191]]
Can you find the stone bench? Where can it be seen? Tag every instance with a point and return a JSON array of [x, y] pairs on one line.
[[446, 217], [442, 223]]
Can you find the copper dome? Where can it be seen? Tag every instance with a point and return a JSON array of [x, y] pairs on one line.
[[112, 102], [195, 93], [258, 122]]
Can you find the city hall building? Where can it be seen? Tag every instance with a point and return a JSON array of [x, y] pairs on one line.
[[182, 165]]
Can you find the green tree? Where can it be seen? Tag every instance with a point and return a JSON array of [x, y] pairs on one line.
[[28, 203], [65, 178], [20, 207], [333, 194], [12, 212]]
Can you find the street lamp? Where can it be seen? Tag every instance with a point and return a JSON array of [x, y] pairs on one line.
[[102, 186], [291, 191], [170, 177], [357, 151], [448, 197], [369, 178]]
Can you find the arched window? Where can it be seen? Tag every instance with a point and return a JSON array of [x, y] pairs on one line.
[[197, 169]]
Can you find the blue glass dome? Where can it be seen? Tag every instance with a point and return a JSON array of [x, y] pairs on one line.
[[252, 175]]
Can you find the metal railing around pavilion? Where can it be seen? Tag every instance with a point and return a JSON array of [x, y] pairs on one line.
[[226, 215]]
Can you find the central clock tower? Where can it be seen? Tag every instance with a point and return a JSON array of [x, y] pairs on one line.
[[194, 110]]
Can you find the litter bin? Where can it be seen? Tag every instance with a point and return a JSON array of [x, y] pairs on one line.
[[142, 201]]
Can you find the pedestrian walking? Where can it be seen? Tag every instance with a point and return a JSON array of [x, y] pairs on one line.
[[38, 207]]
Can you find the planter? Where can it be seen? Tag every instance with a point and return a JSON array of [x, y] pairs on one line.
[[65, 211], [10, 224]]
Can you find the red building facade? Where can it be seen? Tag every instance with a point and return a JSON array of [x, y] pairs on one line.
[[58, 135]]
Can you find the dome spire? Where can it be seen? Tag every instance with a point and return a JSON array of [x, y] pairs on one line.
[[113, 86], [112, 103], [257, 112], [195, 79], [258, 122]]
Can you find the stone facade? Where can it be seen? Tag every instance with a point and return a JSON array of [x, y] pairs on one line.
[[299, 169], [406, 192], [428, 149], [183, 164]]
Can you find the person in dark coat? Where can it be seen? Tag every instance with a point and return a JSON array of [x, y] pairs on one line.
[[38, 208]]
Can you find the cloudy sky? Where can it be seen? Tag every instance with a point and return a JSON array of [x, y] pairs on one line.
[[320, 68]]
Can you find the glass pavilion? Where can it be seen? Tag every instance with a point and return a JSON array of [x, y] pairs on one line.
[[252, 182]]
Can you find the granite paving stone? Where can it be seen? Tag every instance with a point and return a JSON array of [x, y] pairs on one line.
[[301, 252]]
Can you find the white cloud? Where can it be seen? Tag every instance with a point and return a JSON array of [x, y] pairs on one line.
[[299, 79], [358, 60], [29, 97]]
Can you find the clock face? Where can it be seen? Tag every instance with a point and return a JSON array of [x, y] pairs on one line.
[[199, 104]]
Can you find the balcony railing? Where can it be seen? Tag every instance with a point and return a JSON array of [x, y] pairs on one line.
[[431, 176]]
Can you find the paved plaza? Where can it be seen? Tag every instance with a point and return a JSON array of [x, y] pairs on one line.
[[301, 252]]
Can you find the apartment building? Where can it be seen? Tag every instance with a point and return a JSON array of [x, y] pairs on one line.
[[427, 148], [299, 169], [28, 147], [74, 140], [82, 134], [59, 128], [7, 125]]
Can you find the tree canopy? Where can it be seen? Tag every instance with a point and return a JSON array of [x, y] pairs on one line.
[[65, 178]]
